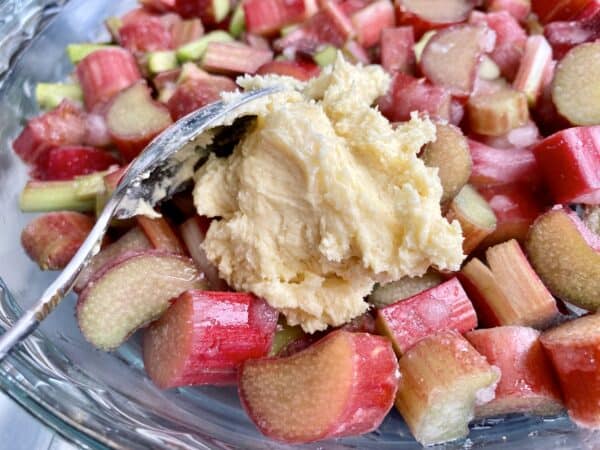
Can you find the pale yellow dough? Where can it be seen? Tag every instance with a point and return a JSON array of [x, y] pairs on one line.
[[324, 198]]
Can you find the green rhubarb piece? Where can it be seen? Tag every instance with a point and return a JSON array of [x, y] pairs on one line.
[[237, 25], [195, 50], [326, 55], [114, 24], [54, 196], [87, 187], [420, 46], [284, 336], [49, 95], [77, 52], [162, 61], [488, 69], [221, 9], [288, 29]]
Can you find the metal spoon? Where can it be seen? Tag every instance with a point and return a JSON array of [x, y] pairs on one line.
[[157, 153]]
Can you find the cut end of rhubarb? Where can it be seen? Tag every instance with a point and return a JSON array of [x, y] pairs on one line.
[[497, 113], [386, 294]]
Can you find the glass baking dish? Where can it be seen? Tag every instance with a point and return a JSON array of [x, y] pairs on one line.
[[103, 400]]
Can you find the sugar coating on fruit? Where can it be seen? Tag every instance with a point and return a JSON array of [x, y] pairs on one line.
[[323, 198]]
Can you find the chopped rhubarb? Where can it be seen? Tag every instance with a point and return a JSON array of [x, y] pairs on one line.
[[205, 336], [530, 76], [193, 232], [443, 307], [442, 379], [508, 292], [570, 164], [50, 95], [211, 12], [527, 382], [77, 52], [133, 241], [519, 9], [356, 53], [145, 35], [563, 36], [186, 31], [575, 87], [130, 292], [161, 61], [285, 336], [266, 17], [574, 349], [300, 69], [194, 94], [161, 235], [195, 50], [256, 41], [104, 73], [424, 16], [134, 119], [521, 137], [52, 239], [74, 195], [64, 125], [451, 57], [397, 54], [370, 21], [343, 385], [233, 58], [476, 217], [388, 293], [408, 94], [550, 11], [96, 131], [498, 113], [68, 162]]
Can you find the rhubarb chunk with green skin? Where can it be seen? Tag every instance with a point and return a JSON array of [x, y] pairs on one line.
[[386, 294], [54, 196], [179, 348], [574, 349], [570, 164], [325, 56], [442, 379], [234, 58], [343, 385], [194, 51], [131, 292], [527, 382], [566, 256], [371, 20], [284, 336], [52, 239], [162, 61], [443, 307], [50, 95], [237, 24], [161, 235], [77, 52]]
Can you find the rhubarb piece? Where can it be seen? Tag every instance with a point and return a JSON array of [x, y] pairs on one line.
[[574, 89], [267, 17], [565, 254], [179, 348], [193, 232], [211, 12], [104, 73], [574, 350], [133, 241], [443, 307], [52, 239], [77, 52], [161, 235], [148, 34], [74, 195], [570, 164], [50, 95], [234, 58], [397, 54], [451, 57], [370, 21], [161, 61], [519, 9], [563, 36], [527, 382], [386, 294], [521, 137], [64, 125], [424, 16], [442, 379], [365, 323], [476, 217], [493, 166], [450, 154], [498, 113], [237, 23], [488, 69], [408, 94], [135, 290], [299, 69], [186, 31], [355, 53], [284, 337], [343, 385], [421, 44], [325, 56], [195, 50], [196, 93], [516, 207], [508, 292], [68, 162], [96, 131], [530, 76], [557, 10], [134, 119]]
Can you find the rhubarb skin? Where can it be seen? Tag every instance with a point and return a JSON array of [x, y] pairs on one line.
[[442, 379], [234, 58], [570, 164], [104, 73], [53, 238], [161, 235], [267, 17], [574, 350], [397, 54], [194, 94], [370, 21], [527, 382], [145, 35], [186, 31], [300, 69], [563, 36], [443, 307], [551, 11], [343, 385], [68, 162], [205, 336], [532, 70], [64, 125]]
